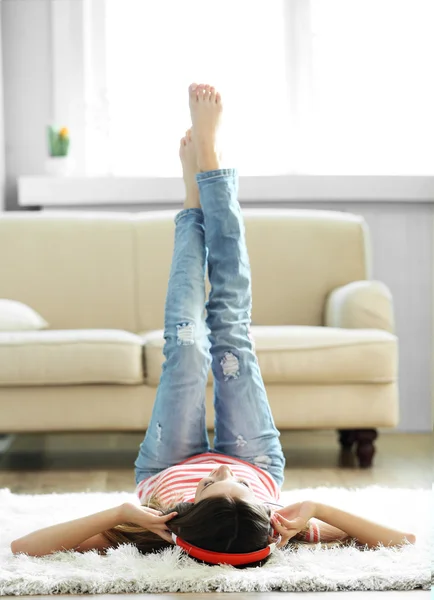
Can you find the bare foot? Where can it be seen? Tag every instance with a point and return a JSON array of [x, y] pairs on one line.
[[206, 110], [187, 154]]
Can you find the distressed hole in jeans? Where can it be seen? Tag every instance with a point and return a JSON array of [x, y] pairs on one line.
[[263, 462], [230, 366], [240, 441], [185, 334], [159, 430]]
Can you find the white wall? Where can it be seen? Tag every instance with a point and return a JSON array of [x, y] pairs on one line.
[[2, 138], [26, 33]]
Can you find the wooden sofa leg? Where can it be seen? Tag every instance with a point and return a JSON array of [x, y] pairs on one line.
[[347, 437], [365, 446]]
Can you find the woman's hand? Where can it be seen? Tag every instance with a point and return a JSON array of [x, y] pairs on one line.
[[290, 520], [148, 518]]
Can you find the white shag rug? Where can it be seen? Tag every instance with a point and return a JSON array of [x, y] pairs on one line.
[[125, 570]]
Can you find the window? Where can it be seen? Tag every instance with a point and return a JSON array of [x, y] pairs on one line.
[[339, 87], [373, 64], [156, 49]]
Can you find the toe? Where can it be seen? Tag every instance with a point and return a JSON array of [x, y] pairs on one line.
[[192, 90], [200, 91], [212, 94], [207, 92], [218, 98]]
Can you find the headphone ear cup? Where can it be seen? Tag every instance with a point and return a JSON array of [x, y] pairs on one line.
[[272, 532]]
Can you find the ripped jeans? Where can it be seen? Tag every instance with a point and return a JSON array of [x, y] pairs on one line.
[[244, 425]]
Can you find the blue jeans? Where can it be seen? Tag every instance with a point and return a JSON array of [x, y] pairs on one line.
[[244, 425]]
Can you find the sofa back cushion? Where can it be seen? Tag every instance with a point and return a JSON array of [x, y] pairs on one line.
[[87, 269], [76, 269], [297, 258]]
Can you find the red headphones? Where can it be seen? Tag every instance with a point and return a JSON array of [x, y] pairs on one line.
[[216, 558]]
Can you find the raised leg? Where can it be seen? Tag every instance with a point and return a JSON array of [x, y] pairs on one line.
[[177, 429], [244, 425]]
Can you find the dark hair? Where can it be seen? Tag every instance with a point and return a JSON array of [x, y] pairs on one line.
[[220, 524]]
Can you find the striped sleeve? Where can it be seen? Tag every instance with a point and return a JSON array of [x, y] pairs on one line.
[[312, 534], [318, 531]]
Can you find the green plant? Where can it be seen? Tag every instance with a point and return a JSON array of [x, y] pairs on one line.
[[58, 141]]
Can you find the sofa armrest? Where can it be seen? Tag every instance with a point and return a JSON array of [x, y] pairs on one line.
[[360, 305]]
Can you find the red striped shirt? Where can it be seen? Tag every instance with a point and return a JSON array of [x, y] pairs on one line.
[[179, 483]]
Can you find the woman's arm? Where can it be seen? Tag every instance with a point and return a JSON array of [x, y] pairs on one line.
[[313, 530], [366, 532], [69, 535], [318, 531]]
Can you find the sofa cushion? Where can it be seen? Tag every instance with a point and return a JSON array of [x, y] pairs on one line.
[[298, 354], [65, 357]]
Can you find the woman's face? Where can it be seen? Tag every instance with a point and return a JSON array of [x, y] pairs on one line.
[[222, 482]]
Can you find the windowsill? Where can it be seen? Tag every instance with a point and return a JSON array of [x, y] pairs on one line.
[[81, 191]]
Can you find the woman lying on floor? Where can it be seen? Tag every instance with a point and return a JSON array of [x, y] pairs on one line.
[[220, 505]]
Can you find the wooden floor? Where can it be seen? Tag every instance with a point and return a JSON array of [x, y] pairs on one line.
[[104, 462], [39, 464]]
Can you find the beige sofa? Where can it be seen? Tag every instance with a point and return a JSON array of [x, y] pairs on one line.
[[323, 329]]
